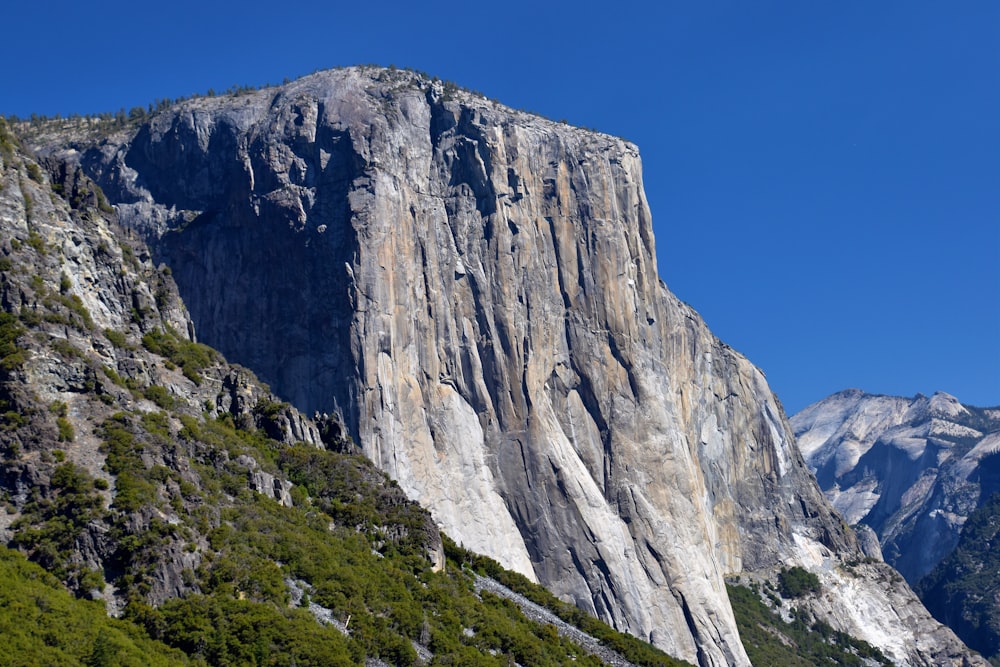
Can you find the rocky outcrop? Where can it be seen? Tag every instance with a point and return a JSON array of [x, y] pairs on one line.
[[896, 622], [474, 290], [912, 469]]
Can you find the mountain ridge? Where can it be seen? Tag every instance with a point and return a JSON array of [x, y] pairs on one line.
[[850, 437]]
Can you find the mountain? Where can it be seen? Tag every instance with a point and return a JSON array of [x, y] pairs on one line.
[[471, 291], [912, 469], [162, 485], [915, 470]]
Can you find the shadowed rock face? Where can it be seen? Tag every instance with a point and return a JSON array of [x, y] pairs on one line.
[[474, 290]]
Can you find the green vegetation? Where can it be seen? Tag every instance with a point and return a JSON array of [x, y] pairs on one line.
[[128, 255], [77, 316], [34, 172], [41, 624], [769, 640], [65, 348], [116, 338], [796, 582], [357, 495], [226, 631], [160, 396], [105, 122], [124, 460], [36, 242], [12, 356], [66, 432], [191, 357], [8, 142], [113, 375], [12, 419], [102, 200], [269, 409], [963, 591], [55, 517]]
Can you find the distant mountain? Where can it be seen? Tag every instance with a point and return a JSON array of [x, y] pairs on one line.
[[915, 470], [912, 469]]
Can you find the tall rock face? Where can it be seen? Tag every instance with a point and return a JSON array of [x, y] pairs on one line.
[[474, 291], [912, 469]]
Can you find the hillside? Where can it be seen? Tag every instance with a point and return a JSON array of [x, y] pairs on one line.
[[963, 591]]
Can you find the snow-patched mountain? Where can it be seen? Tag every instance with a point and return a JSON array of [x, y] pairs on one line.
[[912, 469]]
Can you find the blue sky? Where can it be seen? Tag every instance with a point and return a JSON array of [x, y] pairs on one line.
[[824, 176]]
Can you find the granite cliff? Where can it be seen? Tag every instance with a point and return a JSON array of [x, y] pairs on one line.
[[473, 291], [216, 523]]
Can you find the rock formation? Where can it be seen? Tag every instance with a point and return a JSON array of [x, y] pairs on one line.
[[92, 333], [912, 469], [474, 291]]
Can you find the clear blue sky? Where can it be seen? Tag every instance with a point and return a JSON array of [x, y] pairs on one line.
[[824, 176]]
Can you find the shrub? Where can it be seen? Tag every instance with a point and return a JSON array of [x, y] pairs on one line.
[[160, 396], [35, 240], [11, 356], [34, 172], [74, 304], [795, 582], [190, 356], [13, 419], [102, 201], [116, 338], [66, 432], [66, 349], [113, 376]]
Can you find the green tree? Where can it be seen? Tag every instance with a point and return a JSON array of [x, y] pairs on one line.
[[795, 582]]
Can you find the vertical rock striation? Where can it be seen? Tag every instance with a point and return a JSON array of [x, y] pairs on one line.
[[474, 291]]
